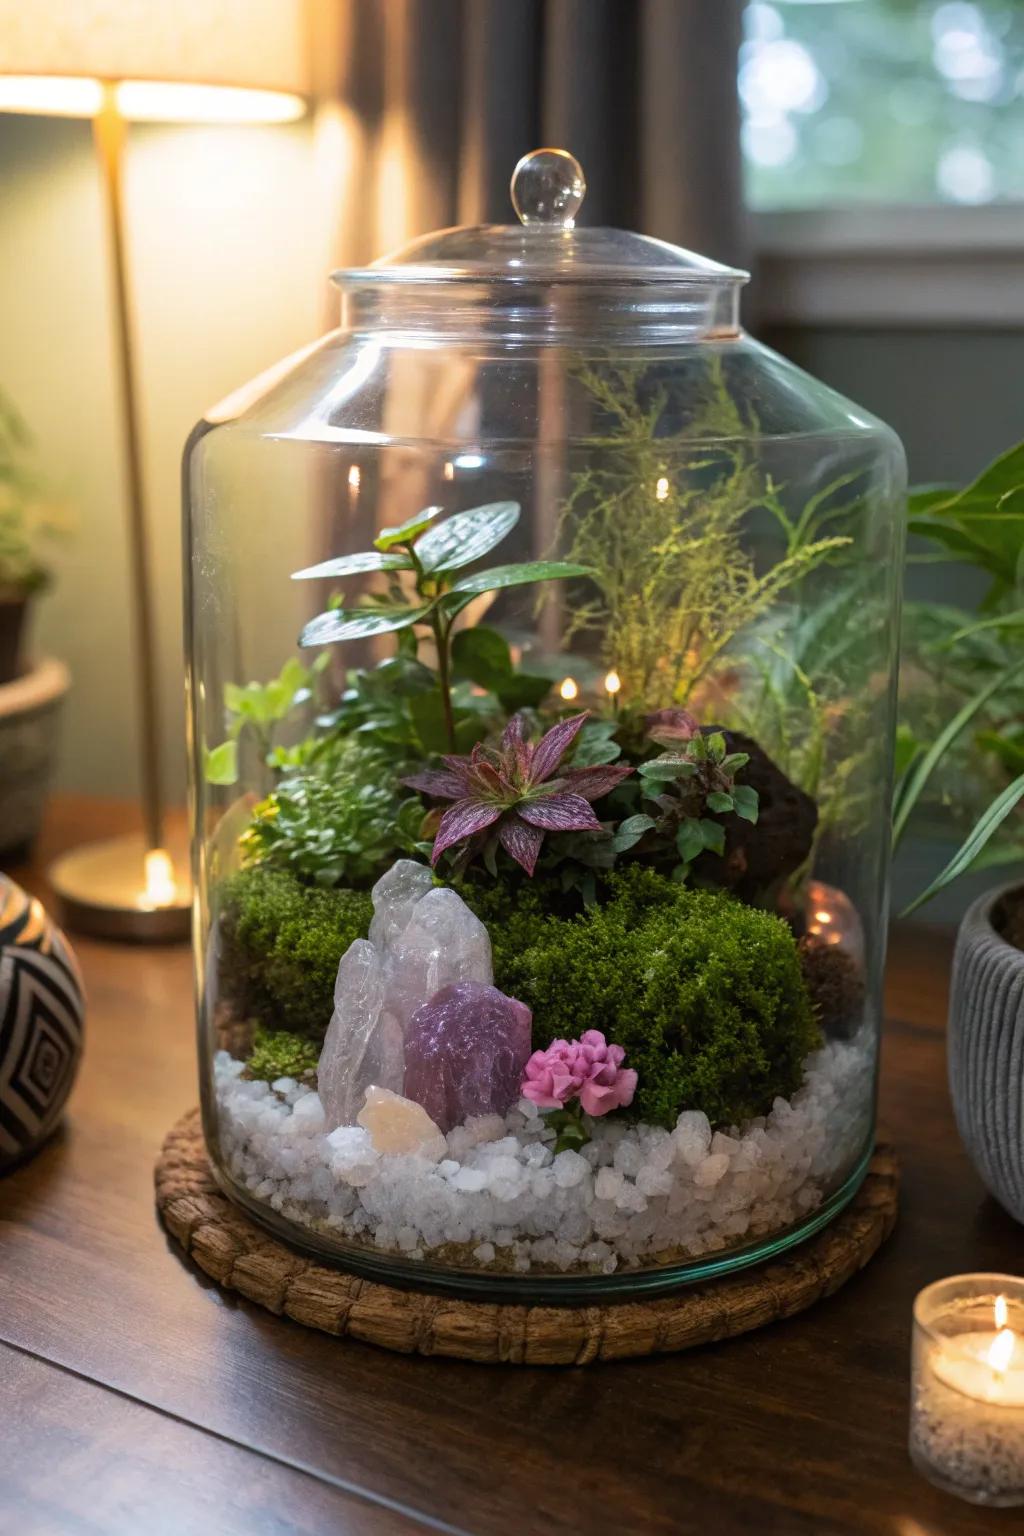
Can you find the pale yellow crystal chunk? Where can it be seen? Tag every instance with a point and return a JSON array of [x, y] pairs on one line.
[[400, 1125]]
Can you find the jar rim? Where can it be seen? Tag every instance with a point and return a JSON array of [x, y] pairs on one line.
[[929, 1320]]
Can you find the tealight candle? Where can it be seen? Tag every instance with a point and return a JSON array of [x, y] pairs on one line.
[[967, 1387]]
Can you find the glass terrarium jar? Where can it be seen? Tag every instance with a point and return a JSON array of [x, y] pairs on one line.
[[542, 635]]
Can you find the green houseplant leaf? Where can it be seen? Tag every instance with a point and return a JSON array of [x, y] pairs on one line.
[[359, 623], [920, 771], [517, 575], [220, 764], [482, 656], [466, 536], [355, 565], [983, 523], [988, 823], [405, 532]]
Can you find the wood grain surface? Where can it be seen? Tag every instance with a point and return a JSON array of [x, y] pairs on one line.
[[797, 1429]]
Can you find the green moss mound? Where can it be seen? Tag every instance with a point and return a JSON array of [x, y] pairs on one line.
[[705, 994], [281, 942], [279, 1053]]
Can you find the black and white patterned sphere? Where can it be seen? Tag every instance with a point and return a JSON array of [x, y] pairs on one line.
[[42, 1011]]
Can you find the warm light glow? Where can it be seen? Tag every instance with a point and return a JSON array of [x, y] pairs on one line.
[[51, 95], [823, 917], [569, 689], [169, 101], [449, 470], [153, 101], [1001, 1350], [354, 477], [661, 489], [1001, 1311], [161, 888], [612, 682]]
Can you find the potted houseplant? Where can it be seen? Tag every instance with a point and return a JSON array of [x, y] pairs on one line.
[[30, 693], [982, 526]]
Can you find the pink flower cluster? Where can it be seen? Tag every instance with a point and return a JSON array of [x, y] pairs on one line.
[[588, 1069]]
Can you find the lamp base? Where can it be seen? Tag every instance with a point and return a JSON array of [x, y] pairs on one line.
[[101, 891]]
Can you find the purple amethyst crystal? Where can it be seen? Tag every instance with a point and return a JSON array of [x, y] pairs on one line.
[[465, 1051]]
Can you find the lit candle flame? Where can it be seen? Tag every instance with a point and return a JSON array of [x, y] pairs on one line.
[[661, 489], [161, 887], [354, 477], [1002, 1312], [569, 689], [1001, 1350], [449, 470], [613, 682]]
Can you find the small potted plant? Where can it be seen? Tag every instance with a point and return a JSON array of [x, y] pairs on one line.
[[982, 744], [30, 694]]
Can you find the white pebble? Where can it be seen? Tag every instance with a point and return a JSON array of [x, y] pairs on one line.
[[608, 1183], [569, 1169], [469, 1180], [633, 1192]]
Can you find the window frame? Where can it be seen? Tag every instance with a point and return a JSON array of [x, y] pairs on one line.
[[938, 266]]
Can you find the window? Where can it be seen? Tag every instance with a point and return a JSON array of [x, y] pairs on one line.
[[882, 101]]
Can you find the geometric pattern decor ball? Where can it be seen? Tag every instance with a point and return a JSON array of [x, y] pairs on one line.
[[42, 1012]]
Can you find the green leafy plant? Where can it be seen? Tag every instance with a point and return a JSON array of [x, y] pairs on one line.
[[658, 520], [690, 784], [257, 709], [981, 525], [344, 828], [430, 555], [705, 994], [27, 515]]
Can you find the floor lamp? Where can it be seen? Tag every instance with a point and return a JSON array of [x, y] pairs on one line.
[[190, 61]]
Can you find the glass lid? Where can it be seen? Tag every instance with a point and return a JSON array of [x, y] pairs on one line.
[[547, 189]]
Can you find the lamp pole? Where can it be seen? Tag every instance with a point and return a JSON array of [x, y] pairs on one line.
[[108, 137]]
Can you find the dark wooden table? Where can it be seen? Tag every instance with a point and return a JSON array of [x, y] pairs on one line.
[[135, 1397]]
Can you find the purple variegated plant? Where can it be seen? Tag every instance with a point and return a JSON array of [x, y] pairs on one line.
[[517, 792]]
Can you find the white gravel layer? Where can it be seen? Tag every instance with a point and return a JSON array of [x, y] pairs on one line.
[[636, 1193]]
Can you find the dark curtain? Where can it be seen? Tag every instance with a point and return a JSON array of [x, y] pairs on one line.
[[450, 93]]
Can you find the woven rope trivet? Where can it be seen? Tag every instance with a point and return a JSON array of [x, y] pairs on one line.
[[240, 1256]]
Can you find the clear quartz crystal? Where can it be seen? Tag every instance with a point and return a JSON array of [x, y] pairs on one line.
[[422, 939], [363, 1043]]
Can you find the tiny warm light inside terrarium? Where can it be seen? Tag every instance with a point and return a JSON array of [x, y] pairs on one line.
[[612, 683], [569, 689], [354, 477], [661, 489], [161, 886]]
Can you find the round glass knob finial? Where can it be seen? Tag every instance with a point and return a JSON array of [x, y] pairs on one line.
[[548, 187]]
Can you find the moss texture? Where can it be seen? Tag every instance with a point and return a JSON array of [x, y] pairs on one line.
[[281, 942], [279, 1053], [705, 994]]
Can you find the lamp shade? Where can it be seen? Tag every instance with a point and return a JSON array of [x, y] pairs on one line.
[[256, 44]]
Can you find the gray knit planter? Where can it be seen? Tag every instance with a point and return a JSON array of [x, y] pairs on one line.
[[986, 1050]]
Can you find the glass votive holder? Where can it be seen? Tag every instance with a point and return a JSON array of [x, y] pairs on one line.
[[967, 1387]]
